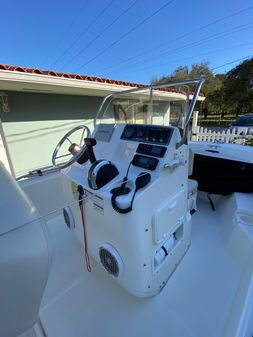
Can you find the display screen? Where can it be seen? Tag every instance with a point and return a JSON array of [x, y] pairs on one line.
[[156, 150], [144, 160], [149, 163]]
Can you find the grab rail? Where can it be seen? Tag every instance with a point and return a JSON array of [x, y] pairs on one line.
[[38, 172]]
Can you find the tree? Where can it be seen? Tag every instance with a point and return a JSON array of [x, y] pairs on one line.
[[224, 93], [216, 98], [198, 70], [238, 91], [180, 73]]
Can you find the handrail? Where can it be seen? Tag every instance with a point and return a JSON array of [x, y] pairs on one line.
[[38, 172], [193, 101]]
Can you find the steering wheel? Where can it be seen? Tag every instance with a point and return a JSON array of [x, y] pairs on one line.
[[76, 150]]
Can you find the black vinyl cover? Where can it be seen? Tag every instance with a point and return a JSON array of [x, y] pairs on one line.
[[222, 176]]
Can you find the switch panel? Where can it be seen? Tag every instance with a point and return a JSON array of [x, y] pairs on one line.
[[152, 150]]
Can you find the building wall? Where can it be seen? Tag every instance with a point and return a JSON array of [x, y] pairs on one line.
[[3, 154], [36, 122]]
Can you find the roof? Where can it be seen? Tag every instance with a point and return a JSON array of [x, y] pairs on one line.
[[68, 75], [50, 80]]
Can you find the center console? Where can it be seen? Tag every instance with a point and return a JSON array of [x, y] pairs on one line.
[[142, 245]]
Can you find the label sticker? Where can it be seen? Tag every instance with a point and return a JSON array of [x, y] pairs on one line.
[[96, 200], [74, 190]]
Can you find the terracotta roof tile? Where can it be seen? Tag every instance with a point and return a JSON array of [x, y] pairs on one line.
[[65, 75], [72, 76], [17, 68], [86, 78], [52, 73], [32, 70], [3, 67], [78, 77]]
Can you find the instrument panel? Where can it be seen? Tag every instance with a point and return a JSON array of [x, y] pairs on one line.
[[147, 133], [152, 143]]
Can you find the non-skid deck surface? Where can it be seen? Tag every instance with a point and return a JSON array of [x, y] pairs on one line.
[[197, 300]]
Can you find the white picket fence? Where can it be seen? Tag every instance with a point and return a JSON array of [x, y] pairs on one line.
[[235, 136], [238, 135]]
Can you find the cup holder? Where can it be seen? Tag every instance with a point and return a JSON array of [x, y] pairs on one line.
[[245, 219]]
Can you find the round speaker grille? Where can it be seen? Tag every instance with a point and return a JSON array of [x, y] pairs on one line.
[[110, 260]]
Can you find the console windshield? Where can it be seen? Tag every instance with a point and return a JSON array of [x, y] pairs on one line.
[[164, 104]]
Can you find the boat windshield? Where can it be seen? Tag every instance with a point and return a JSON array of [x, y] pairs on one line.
[[157, 105]]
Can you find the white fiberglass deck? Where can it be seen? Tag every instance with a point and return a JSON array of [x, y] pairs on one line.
[[201, 299]]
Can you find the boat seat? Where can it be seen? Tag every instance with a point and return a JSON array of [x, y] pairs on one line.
[[24, 258], [192, 195], [244, 213], [237, 226]]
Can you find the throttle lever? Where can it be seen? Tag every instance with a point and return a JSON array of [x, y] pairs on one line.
[[90, 142]]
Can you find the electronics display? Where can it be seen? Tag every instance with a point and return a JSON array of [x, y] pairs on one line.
[[152, 150], [148, 163], [147, 133]]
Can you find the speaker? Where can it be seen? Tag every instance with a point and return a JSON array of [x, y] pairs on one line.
[[111, 260]]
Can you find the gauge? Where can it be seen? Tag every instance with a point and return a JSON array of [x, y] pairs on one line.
[[140, 132], [149, 135], [156, 135], [163, 136], [129, 131]]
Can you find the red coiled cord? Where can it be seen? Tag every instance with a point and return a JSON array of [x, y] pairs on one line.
[[86, 254]]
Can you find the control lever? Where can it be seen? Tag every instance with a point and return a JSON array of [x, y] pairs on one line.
[[90, 142]]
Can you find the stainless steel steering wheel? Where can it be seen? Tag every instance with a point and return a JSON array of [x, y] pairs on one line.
[[76, 150]]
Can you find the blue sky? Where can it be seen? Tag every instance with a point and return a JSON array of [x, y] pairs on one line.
[[121, 39]]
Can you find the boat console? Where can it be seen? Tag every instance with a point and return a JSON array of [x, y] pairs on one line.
[[131, 181], [137, 222]]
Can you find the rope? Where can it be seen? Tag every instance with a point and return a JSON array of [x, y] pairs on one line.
[[86, 254]]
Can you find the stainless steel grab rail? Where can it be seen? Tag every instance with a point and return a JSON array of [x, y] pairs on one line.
[[38, 172]]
